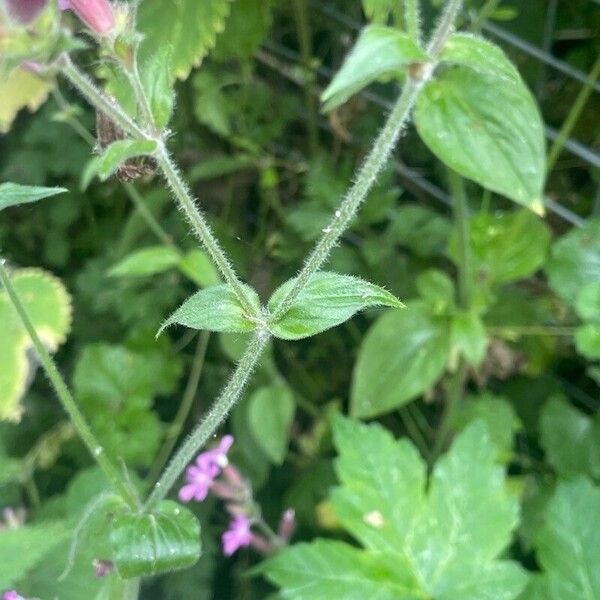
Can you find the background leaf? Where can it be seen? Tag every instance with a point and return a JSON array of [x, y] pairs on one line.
[[147, 261], [13, 194]]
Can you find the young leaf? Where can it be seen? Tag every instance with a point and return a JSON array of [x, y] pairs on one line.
[[49, 305], [13, 194], [271, 412], [147, 261], [488, 129], [575, 261], [440, 540], [158, 86], [147, 544], [403, 354], [215, 308], [327, 300], [120, 151], [568, 547], [379, 52]]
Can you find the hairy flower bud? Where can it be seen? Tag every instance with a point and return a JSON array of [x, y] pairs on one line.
[[96, 14]]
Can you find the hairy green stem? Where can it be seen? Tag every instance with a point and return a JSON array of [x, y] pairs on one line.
[[413, 19], [62, 391], [215, 416], [140, 95], [573, 116], [201, 227], [444, 27]]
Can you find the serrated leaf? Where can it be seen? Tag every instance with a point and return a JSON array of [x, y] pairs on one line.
[[327, 300], [187, 27], [379, 52], [158, 86], [438, 540], [215, 308], [13, 194], [147, 544], [488, 129], [196, 265], [147, 261], [505, 247], [120, 151], [575, 261], [402, 355], [570, 439], [568, 547], [49, 306], [271, 413]]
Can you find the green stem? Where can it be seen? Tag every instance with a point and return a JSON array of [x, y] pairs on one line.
[[413, 19], [183, 411], [67, 400], [444, 27], [304, 37], [573, 116], [461, 223], [486, 11], [201, 227], [215, 416], [140, 95], [147, 215]]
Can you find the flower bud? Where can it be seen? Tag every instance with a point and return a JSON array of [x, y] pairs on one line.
[[96, 14], [25, 11]]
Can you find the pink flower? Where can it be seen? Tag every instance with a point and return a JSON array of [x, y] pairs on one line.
[[217, 456], [11, 595], [237, 535], [25, 11], [96, 14]]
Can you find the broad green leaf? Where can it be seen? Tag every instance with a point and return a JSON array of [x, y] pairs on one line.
[[379, 52], [215, 308], [568, 548], [271, 411], [587, 340], [403, 354], [437, 540], [20, 89], [488, 129], [570, 439], [196, 265], [13, 194], [23, 547], [120, 151], [156, 80], [469, 337], [575, 261], [327, 300], [147, 544], [505, 247], [587, 304], [147, 261], [472, 51], [49, 306], [499, 417], [187, 27]]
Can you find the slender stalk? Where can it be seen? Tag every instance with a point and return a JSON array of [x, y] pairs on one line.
[[573, 116], [140, 95], [62, 391], [201, 227], [486, 11], [413, 19], [183, 411], [215, 416], [461, 223], [145, 213], [444, 27]]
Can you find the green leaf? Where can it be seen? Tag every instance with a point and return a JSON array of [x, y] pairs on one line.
[[575, 261], [21, 548], [215, 308], [438, 539], [469, 336], [147, 544], [437, 289], [379, 11], [403, 354], [587, 304], [13, 194], [271, 412], [147, 261], [187, 27], [587, 340], [327, 300], [568, 548], [156, 80], [120, 151], [20, 89], [379, 52], [488, 129], [49, 306], [197, 265], [570, 439], [505, 247]]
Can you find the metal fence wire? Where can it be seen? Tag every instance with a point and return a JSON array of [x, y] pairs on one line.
[[285, 60]]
